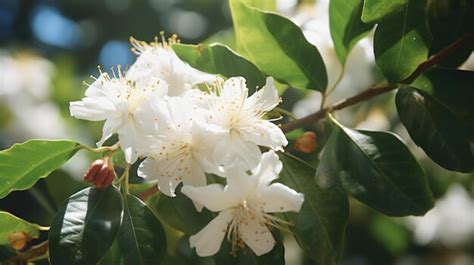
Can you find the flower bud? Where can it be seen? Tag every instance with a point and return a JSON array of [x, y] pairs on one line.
[[100, 174], [306, 143], [18, 240]]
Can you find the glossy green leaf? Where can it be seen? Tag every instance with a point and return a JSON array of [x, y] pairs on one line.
[[85, 226], [10, 224], [319, 226], [376, 168], [453, 88], [375, 10], [402, 41], [246, 256], [278, 47], [180, 213], [22, 165], [219, 59], [435, 129], [346, 26], [449, 20], [141, 238]]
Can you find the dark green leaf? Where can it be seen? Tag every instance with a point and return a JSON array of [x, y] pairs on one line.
[[319, 226], [435, 129], [24, 164], [346, 26], [376, 168], [180, 213], [219, 59], [375, 10], [10, 224], [85, 226], [448, 20], [141, 238], [402, 41], [453, 88], [246, 256], [278, 47]]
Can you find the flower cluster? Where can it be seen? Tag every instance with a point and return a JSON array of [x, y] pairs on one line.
[[186, 123]]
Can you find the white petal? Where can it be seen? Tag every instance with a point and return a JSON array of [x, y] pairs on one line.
[[265, 133], [266, 98], [195, 178], [128, 138], [208, 241], [110, 127], [256, 235], [268, 168], [234, 88], [278, 198], [91, 109], [212, 196], [149, 169], [233, 151]]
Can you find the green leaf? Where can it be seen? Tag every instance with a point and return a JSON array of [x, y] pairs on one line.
[[376, 168], [219, 59], [246, 256], [180, 213], [435, 129], [10, 224], [375, 10], [85, 226], [402, 41], [141, 238], [453, 88], [346, 26], [24, 164], [448, 20], [319, 226], [278, 47]]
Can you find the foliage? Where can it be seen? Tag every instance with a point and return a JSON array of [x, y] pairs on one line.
[[144, 224]]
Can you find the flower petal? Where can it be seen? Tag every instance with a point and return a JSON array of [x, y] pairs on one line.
[[233, 151], [268, 168], [214, 197], [92, 109], [208, 241], [234, 88], [278, 198], [265, 133], [266, 98], [256, 235]]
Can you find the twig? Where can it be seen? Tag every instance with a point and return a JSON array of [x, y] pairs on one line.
[[35, 251], [374, 91]]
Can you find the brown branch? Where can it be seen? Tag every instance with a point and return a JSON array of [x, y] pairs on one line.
[[33, 252], [374, 91]]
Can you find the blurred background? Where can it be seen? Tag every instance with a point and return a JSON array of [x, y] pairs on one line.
[[48, 48]]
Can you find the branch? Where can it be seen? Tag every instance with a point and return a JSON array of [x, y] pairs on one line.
[[374, 91], [33, 252]]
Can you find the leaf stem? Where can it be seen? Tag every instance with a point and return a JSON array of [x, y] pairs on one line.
[[376, 90], [125, 179], [101, 149], [333, 87]]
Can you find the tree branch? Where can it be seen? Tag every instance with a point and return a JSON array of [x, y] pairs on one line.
[[31, 253], [374, 91]]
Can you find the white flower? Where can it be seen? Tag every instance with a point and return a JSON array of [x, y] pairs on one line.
[[177, 150], [158, 58], [116, 100], [244, 206], [242, 119]]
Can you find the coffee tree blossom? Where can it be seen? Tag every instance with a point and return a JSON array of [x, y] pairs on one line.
[[158, 58], [116, 100], [241, 121], [245, 206], [177, 150]]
